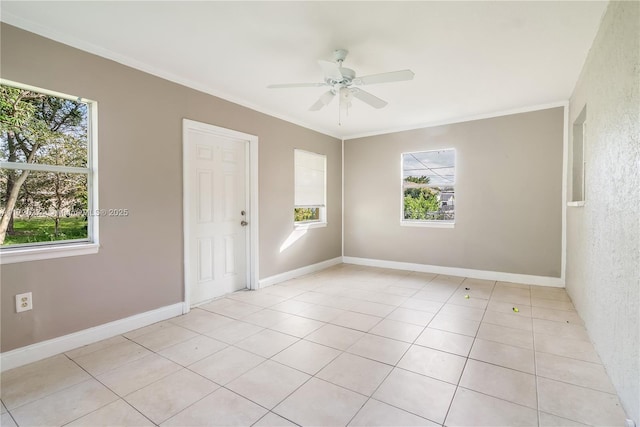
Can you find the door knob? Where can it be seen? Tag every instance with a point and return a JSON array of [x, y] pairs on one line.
[[244, 223]]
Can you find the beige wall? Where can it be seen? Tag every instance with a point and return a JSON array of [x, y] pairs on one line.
[[603, 237], [139, 266], [508, 196]]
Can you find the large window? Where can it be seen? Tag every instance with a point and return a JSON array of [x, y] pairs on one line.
[[47, 196], [310, 188], [428, 187]]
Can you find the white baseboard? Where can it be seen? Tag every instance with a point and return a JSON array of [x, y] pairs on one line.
[[292, 274], [41, 350], [526, 279]]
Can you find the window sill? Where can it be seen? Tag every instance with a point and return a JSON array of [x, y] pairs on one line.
[[308, 225], [11, 256], [428, 224], [575, 204]]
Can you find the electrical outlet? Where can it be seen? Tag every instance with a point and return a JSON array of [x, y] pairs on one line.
[[24, 302]]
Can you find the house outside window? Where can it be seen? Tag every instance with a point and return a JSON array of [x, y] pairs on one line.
[[48, 182], [428, 187]]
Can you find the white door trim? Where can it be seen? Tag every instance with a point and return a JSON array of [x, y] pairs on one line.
[[252, 202]]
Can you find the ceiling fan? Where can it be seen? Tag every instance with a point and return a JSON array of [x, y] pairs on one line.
[[344, 83]]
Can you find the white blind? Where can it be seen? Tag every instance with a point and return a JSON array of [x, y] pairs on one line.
[[310, 171]]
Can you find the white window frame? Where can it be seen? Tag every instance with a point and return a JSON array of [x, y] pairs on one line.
[[425, 222], [579, 141], [63, 248], [322, 221]]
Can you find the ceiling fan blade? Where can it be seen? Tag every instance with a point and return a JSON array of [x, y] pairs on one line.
[[393, 76], [368, 98], [287, 85], [331, 70], [322, 101]]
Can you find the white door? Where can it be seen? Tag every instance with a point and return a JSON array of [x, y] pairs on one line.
[[216, 213]]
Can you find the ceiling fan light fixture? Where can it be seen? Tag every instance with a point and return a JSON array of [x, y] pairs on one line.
[[346, 96]]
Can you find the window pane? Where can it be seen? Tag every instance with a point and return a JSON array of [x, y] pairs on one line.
[[436, 167], [49, 206], [579, 137], [306, 214], [44, 129], [429, 185]]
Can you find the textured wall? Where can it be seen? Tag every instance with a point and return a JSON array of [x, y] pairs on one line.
[[139, 265], [508, 196], [603, 239]]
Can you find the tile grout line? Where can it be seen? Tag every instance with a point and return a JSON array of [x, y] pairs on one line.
[[108, 388], [386, 376], [277, 415], [220, 386], [535, 368], [345, 351], [469, 354], [11, 416], [269, 410], [182, 368], [395, 366], [305, 382], [60, 390]]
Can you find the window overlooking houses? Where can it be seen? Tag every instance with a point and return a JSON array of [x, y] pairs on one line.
[[428, 187], [46, 172], [310, 188]]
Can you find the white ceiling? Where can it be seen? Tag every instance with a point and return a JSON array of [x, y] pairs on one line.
[[469, 58]]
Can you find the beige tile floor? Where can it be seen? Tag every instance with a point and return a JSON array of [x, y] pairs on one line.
[[346, 346]]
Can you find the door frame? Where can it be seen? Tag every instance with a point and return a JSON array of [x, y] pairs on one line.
[[251, 192]]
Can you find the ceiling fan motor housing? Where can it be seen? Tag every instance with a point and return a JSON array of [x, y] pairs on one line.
[[348, 74], [347, 77], [339, 55]]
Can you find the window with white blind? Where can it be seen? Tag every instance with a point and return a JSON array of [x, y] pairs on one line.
[[310, 188]]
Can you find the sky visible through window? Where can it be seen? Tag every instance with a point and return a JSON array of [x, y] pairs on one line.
[[438, 166]]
